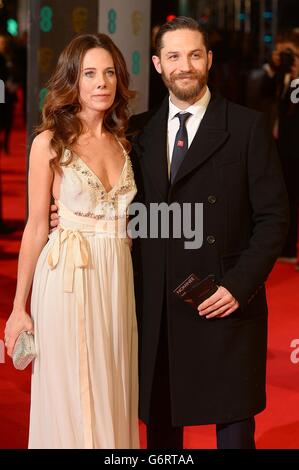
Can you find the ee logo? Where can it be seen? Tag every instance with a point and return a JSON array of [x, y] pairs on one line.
[[112, 15], [136, 63], [42, 95], [46, 15]]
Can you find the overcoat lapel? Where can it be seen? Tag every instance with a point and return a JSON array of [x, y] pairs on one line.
[[153, 146], [211, 135]]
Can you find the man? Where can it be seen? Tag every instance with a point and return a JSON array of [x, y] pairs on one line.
[[276, 94], [206, 366], [285, 69]]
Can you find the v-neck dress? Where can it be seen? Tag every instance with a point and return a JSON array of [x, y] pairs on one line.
[[84, 390]]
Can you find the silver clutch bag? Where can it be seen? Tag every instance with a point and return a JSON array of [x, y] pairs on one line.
[[24, 350]]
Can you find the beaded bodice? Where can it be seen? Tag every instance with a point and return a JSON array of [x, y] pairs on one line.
[[83, 193]]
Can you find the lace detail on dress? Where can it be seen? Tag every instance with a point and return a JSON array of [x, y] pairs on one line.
[[101, 216], [91, 198], [90, 177], [128, 183], [66, 156]]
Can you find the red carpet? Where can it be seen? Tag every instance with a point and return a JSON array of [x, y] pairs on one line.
[[277, 427]]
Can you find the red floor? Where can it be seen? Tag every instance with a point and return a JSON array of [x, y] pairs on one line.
[[277, 427]]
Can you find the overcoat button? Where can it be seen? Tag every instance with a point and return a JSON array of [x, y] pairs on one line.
[[211, 239], [212, 199]]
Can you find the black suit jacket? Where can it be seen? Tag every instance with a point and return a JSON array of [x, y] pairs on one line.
[[217, 367]]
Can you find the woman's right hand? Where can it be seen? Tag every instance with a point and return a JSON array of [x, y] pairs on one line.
[[18, 321], [54, 217]]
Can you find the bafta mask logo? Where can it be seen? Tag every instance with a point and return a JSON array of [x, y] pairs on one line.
[[136, 22], [79, 19], [45, 59]]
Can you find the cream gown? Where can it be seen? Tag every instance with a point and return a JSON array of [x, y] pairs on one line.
[[84, 391]]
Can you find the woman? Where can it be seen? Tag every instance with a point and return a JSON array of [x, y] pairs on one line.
[[8, 73], [84, 381]]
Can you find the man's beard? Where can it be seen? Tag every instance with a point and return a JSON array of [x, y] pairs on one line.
[[188, 92]]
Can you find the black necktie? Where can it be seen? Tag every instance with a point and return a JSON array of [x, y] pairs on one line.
[[180, 145]]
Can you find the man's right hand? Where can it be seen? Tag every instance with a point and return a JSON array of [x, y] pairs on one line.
[[54, 218]]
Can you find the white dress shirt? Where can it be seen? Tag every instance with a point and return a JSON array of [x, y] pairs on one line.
[[197, 111]]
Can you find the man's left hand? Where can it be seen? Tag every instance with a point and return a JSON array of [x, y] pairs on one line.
[[221, 304]]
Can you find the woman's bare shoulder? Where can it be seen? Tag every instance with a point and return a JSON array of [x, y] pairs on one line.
[[41, 144]]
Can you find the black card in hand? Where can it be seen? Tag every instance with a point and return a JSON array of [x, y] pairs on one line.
[[194, 291]]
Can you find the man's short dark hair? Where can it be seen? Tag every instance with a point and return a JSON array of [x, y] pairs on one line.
[[180, 22]]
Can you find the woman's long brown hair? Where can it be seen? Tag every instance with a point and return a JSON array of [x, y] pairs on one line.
[[62, 101]]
